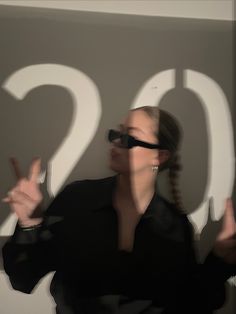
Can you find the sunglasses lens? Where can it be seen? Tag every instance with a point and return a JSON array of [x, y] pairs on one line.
[[123, 140], [117, 138], [113, 135]]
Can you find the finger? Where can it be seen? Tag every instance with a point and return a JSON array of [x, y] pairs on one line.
[[10, 198], [229, 220], [229, 206], [15, 165], [21, 198], [35, 169], [228, 228], [6, 199]]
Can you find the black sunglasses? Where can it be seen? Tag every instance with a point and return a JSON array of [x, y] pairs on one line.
[[128, 141]]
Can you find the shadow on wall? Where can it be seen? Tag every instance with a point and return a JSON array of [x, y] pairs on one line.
[[119, 53]]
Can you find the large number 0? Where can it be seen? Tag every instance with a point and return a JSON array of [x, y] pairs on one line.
[[220, 132]]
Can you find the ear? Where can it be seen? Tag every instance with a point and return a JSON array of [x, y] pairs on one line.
[[162, 156]]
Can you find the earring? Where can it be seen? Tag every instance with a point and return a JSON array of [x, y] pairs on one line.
[[155, 168]]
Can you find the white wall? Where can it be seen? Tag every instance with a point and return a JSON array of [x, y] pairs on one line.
[[207, 9], [15, 302]]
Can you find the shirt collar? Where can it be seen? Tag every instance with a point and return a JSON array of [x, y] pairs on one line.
[[105, 197]]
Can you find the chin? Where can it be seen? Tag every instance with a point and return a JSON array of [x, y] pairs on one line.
[[115, 165]]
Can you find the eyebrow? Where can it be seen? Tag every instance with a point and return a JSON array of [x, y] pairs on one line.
[[131, 128]]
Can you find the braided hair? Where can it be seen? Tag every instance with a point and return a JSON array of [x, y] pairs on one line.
[[169, 135]]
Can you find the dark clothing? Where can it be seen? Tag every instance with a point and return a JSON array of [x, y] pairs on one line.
[[79, 240]]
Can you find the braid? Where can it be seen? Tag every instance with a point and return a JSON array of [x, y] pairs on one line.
[[174, 168]]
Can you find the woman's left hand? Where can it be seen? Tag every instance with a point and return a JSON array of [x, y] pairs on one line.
[[225, 245]]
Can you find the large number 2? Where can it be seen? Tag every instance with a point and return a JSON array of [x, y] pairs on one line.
[[87, 113]]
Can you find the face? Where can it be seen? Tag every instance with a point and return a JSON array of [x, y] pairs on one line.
[[137, 159]]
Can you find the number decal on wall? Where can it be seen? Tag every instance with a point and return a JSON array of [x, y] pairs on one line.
[[220, 133], [87, 114], [154, 89], [221, 163], [86, 117]]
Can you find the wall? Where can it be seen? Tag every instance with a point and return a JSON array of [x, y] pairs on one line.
[[83, 70]]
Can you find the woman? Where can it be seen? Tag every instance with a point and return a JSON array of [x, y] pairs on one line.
[[115, 244]]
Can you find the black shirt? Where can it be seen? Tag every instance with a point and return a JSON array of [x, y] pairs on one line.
[[79, 241]]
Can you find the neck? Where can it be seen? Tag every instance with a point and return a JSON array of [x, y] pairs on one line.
[[135, 189]]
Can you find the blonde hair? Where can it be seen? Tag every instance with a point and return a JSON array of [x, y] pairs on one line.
[[169, 134]]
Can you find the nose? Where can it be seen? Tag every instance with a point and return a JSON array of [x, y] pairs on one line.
[[117, 145]]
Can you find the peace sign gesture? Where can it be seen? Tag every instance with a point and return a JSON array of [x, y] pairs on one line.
[[25, 198], [225, 245]]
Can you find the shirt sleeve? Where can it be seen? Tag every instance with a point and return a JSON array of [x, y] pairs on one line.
[[29, 255]]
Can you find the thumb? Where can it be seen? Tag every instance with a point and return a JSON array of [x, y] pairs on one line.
[[229, 225]]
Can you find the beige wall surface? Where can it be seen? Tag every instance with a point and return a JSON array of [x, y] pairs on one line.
[[206, 9], [68, 74]]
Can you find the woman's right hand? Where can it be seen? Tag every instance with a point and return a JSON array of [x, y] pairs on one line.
[[25, 197], [225, 244]]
